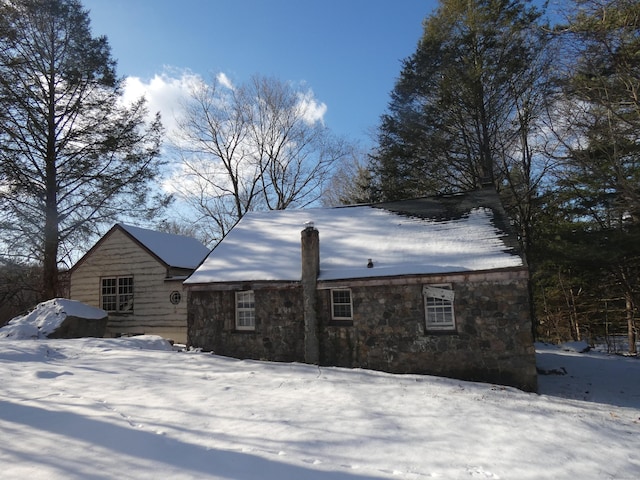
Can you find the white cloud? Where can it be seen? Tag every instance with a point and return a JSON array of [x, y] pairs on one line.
[[225, 81], [165, 93], [311, 110]]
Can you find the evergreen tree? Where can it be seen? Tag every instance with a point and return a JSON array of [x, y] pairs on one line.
[[466, 101], [601, 171], [72, 156]]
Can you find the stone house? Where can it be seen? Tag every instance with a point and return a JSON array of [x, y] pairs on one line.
[[429, 286], [136, 275]]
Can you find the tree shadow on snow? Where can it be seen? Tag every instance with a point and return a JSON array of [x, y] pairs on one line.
[[129, 445], [590, 376]]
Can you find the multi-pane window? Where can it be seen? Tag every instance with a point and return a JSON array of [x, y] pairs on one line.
[[341, 308], [438, 302], [245, 310], [109, 294], [116, 294]]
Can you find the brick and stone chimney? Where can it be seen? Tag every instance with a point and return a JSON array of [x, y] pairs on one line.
[[310, 248]]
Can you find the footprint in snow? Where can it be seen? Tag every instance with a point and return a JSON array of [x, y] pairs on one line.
[[479, 472]]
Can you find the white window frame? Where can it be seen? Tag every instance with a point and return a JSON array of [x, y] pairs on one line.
[[245, 310], [335, 304], [122, 297], [439, 307]]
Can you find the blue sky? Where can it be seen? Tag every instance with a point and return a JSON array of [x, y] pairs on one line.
[[348, 52]]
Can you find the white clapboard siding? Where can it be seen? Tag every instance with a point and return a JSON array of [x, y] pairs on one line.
[[153, 313]]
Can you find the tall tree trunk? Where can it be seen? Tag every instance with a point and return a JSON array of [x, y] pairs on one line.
[[631, 332], [50, 248], [50, 258]]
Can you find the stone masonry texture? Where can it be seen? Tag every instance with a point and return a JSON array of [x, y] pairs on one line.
[[492, 341]]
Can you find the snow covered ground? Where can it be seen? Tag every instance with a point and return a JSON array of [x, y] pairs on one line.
[[134, 408]]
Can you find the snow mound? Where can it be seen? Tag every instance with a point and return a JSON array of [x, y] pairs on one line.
[[578, 346], [138, 342], [20, 332], [47, 317]]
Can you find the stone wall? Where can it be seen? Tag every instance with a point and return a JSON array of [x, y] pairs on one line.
[[279, 333], [492, 341]]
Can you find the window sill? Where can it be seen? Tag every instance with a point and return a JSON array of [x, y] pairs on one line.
[[340, 323], [439, 332]]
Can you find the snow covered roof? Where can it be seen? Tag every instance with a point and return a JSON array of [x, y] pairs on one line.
[[266, 245], [174, 250]]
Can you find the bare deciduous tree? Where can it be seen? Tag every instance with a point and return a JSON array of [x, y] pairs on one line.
[[350, 183], [259, 146]]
